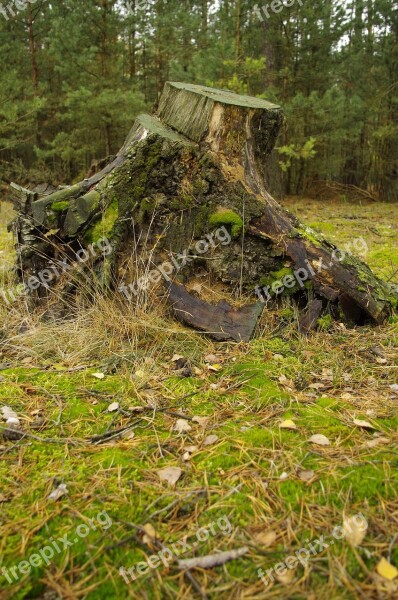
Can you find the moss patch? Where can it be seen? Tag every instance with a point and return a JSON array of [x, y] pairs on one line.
[[104, 228], [227, 217], [60, 206]]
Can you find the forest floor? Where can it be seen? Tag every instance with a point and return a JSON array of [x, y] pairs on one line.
[[236, 435]]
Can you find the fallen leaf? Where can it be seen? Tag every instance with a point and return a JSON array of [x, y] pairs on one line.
[[317, 386], [176, 357], [288, 424], [214, 368], [265, 538], [211, 358], [306, 475], [202, 421], [212, 560], [113, 407], [170, 474], [364, 424], [150, 534], [191, 449], [98, 375], [8, 413], [386, 570], [379, 441], [286, 578], [284, 476], [198, 372], [60, 491], [182, 426], [186, 456], [210, 440], [196, 287], [381, 361], [36, 412], [394, 387], [354, 530], [319, 439]]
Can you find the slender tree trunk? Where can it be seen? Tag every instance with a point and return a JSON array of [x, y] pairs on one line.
[[33, 54], [238, 37], [132, 41]]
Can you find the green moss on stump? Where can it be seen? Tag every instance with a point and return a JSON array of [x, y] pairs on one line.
[[104, 227], [227, 217], [60, 206]]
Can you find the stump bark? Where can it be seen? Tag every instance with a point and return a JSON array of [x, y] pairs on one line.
[[194, 168]]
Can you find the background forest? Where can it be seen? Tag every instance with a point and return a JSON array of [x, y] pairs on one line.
[[75, 73]]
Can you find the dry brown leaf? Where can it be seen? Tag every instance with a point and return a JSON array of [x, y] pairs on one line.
[[56, 494], [191, 449], [113, 407], [170, 474], [386, 570], [211, 358], [354, 530], [317, 386], [319, 439], [202, 421], [381, 361], [182, 426], [379, 441], [150, 534], [210, 440], [306, 475], [265, 538], [286, 578], [364, 424], [177, 357]]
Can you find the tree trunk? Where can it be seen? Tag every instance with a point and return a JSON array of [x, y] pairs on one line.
[[187, 189]]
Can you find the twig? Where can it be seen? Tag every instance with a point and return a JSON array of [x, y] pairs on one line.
[[24, 434]]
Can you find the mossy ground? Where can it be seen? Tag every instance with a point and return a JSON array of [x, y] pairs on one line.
[[251, 474]]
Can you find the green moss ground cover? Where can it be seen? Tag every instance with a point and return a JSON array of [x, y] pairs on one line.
[[277, 489]]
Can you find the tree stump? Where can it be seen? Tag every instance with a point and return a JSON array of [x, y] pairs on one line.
[[187, 189]]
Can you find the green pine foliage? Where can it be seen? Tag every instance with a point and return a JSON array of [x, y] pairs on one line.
[[77, 72]]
